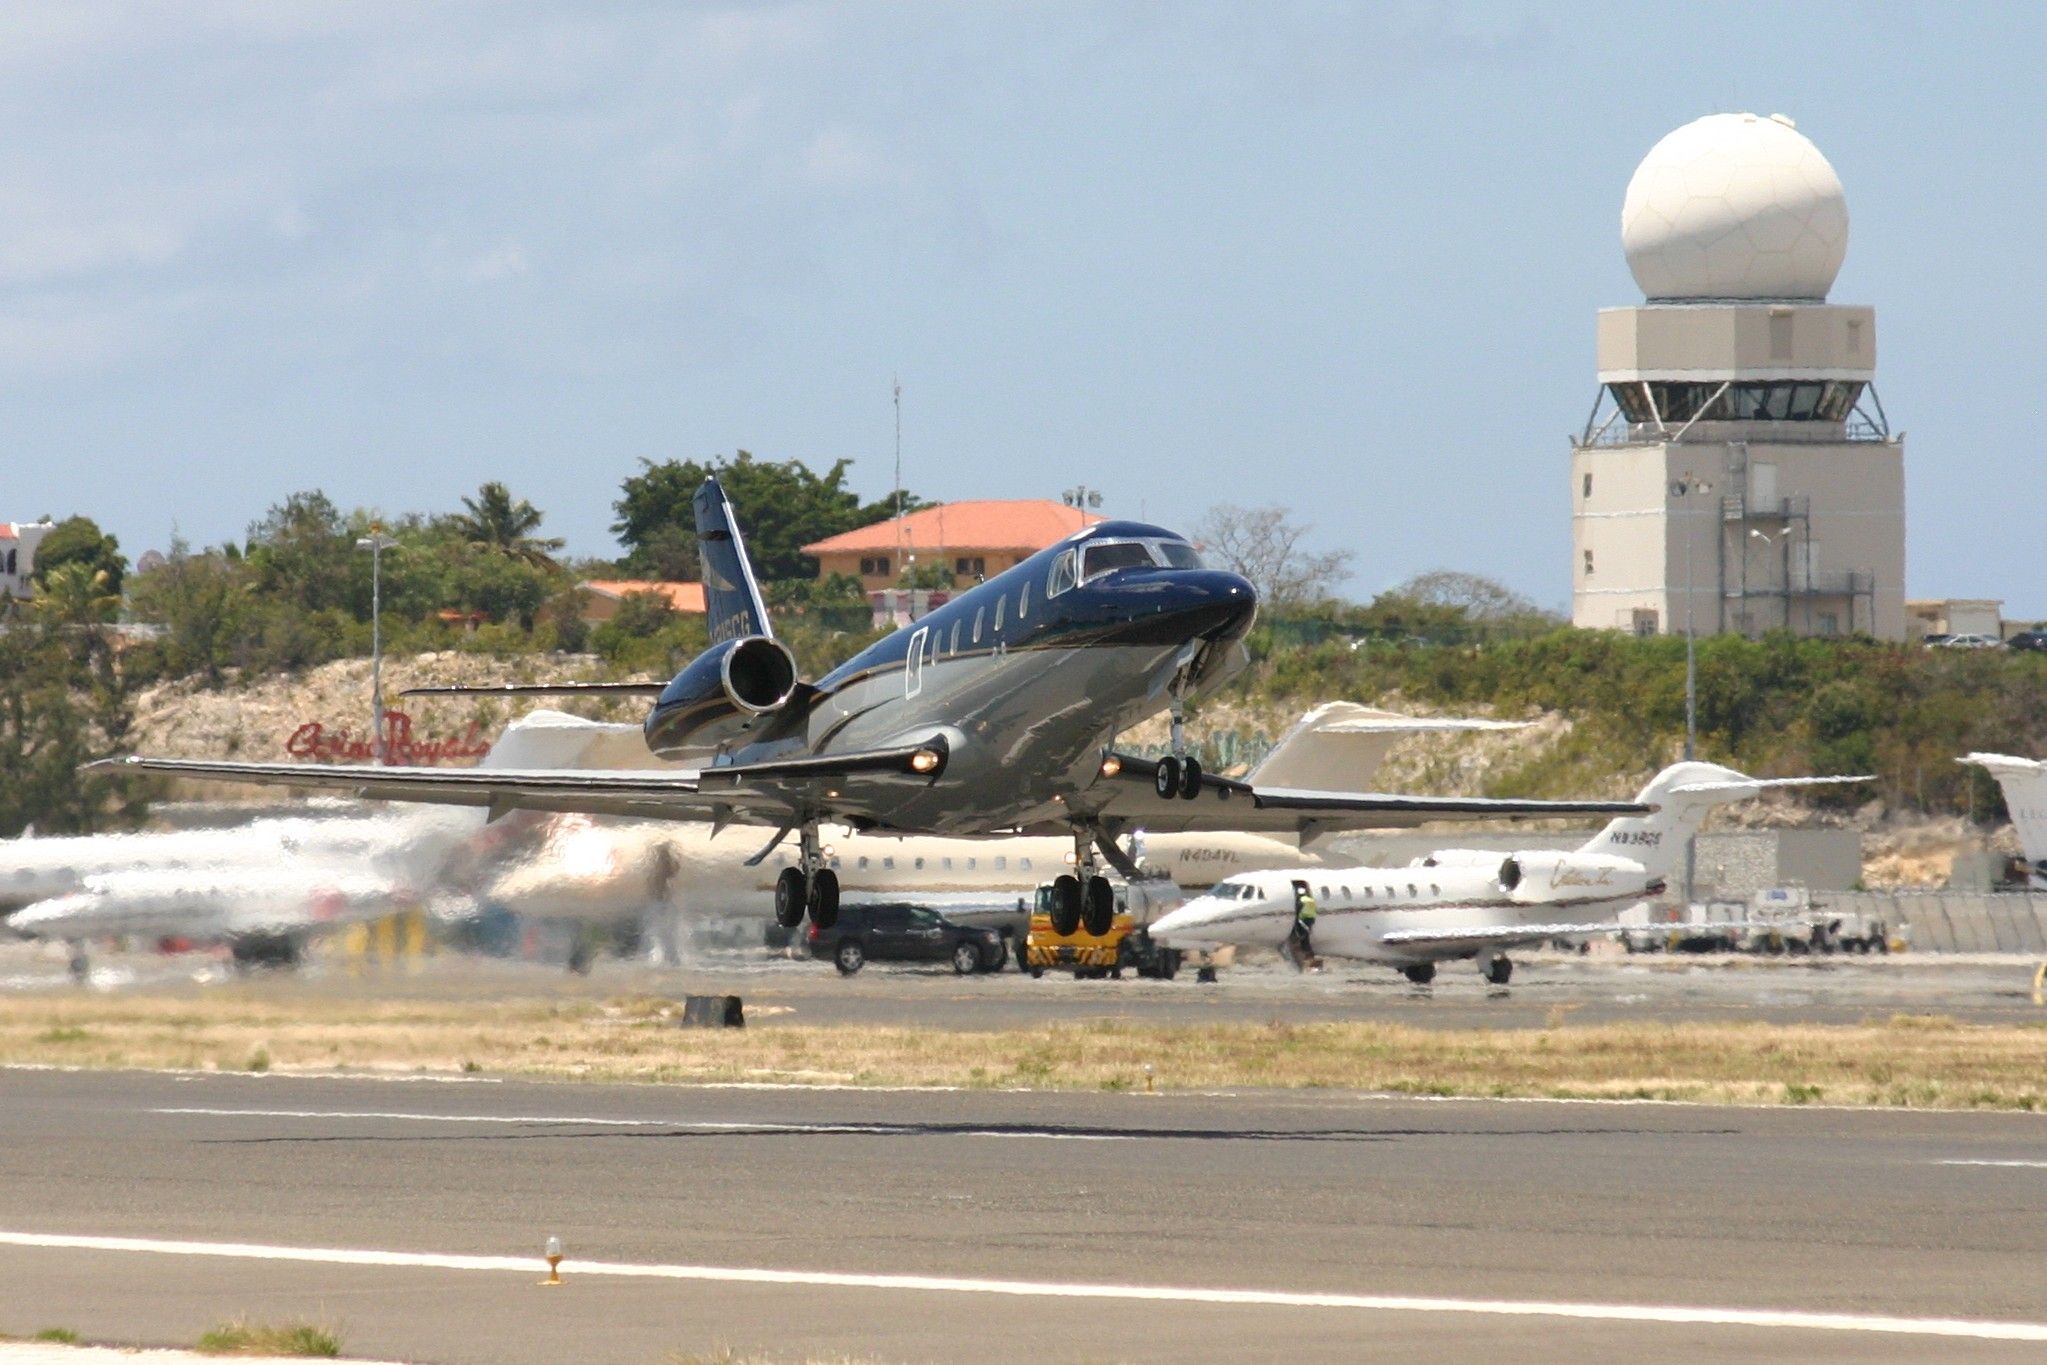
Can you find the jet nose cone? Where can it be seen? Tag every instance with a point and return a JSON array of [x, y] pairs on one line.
[[1178, 927], [1220, 605]]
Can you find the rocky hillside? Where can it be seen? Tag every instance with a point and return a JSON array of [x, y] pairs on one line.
[[323, 714]]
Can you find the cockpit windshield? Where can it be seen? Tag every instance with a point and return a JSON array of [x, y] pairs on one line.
[[1106, 556]]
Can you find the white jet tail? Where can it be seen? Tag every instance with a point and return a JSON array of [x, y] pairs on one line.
[[1338, 746], [1681, 795], [2025, 795]]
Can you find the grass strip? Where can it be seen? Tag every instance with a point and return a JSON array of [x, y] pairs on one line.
[[1909, 1061]]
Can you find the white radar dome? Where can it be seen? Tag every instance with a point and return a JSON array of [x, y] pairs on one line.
[[1735, 206]]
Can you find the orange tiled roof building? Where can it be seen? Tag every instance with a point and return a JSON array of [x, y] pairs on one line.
[[972, 539]]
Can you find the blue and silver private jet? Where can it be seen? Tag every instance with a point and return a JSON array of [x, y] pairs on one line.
[[996, 713]]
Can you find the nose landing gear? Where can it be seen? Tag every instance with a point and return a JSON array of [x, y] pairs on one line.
[[1177, 774]]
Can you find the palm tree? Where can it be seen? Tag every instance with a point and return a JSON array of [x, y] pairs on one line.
[[495, 522]]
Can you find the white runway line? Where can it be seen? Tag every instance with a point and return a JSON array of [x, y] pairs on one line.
[[1958, 1161], [1252, 1298], [685, 1125]]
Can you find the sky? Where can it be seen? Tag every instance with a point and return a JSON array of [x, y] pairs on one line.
[[1340, 258]]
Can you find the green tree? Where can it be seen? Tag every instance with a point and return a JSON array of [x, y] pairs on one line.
[[63, 704], [494, 520], [782, 506], [202, 603], [79, 540]]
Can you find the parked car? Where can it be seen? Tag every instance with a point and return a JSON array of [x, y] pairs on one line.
[[2029, 639], [906, 933], [1972, 642]]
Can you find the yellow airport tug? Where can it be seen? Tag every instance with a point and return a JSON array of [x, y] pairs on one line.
[[1125, 948]]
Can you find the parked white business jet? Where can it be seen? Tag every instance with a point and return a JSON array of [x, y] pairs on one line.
[[2025, 795], [1462, 903]]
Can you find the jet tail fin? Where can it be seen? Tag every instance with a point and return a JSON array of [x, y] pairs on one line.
[[2025, 796], [1680, 796], [1339, 745], [732, 597]]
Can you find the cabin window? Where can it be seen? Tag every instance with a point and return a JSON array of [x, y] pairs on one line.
[[1435, 890], [1001, 863], [955, 646], [888, 862], [1411, 891], [863, 862], [972, 863], [1000, 603], [948, 864], [977, 623], [1325, 893], [920, 864], [1023, 602], [1061, 577], [1024, 864]]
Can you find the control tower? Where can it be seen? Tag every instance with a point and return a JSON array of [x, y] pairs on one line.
[[1737, 472]]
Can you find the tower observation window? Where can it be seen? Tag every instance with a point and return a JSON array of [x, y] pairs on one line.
[[1785, 401]]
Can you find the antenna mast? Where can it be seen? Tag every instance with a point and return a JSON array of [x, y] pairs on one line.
[[897, 381]]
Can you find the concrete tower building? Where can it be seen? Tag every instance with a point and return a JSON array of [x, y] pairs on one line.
[[1737, 470]]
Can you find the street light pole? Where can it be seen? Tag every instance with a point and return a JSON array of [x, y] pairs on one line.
[[376, 542], [1684, 488]]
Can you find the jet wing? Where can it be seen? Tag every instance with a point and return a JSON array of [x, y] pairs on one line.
[[1504, 936], [763, 792], [1127, 800], [1507, 935]]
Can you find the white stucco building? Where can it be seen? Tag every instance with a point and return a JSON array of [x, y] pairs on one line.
[[1737, 469], [18, 541]]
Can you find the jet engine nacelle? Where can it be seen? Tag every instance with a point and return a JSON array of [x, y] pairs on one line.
[[722, 692], [1536, 876]]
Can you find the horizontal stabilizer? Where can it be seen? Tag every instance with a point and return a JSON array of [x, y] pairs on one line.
[[1754, 785]]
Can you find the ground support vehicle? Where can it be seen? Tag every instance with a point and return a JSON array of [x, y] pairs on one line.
[[1125, 948]]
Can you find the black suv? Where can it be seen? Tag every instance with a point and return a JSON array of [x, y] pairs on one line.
[[906, 933], [2035, 640]]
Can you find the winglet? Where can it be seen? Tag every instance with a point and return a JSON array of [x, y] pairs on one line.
[[732, 598]]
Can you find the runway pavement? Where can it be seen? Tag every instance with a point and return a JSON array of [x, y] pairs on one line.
[[779, 991], [1208, 1227]]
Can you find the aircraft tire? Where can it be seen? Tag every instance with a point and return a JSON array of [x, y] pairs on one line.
[[1499, 971], [824, 898], [1065, 904], [789, 898], [1166, 780], [1098, 914], [1421, 973], [1190, 780], [850, 957]]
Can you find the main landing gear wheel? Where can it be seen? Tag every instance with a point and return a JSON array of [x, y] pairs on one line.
[[1065, 904], [789, 898], [1421, 973], [824, 898], [1190, 779], [1165, 780], [1099, 913], [1497, 971]]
